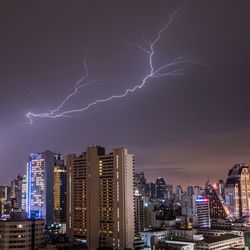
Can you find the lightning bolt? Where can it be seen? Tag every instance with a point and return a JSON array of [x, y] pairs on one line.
[[167, 69], [78, 85]]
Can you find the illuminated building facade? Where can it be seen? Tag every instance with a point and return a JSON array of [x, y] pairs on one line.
[[24, 193], [237, 191], [60, 194], [100, 198], [218, 207], [203, 211], [40, 186]]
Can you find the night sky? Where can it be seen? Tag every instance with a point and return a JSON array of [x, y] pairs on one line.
[[183, 128]]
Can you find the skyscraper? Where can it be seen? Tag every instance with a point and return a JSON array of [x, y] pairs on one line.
[[60, 193], [40, 185], [169, 193], [178, 193], [190, 190], [5, 205], [221, 188], [151, 190], [203, 212], [24, 192], [237, 191], [100, 209], [140, 182], [16, 192], [160, 188], [188, 206]]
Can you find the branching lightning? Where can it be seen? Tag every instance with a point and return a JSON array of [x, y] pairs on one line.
[[171, 68]]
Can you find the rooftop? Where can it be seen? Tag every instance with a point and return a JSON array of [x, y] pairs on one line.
[[223, 237]]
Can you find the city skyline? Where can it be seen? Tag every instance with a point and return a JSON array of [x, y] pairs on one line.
[[182, 128], [96, 200]]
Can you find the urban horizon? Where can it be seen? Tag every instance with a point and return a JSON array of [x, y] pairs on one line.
[[150, 177]]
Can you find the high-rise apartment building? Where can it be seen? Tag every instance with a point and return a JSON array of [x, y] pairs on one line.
[[237, 191], [100, 198], [203, 212], [40, 185]]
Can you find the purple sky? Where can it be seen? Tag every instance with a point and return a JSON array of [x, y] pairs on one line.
[[182, 128]]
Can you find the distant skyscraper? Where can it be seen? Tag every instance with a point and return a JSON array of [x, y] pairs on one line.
[[169, 193], [60, 193], [16, 192], [160, 188], [197, 191], [208, 187], [190, 190], [5, 205], [188, 206], [178, 193], [221, 188], [40, 186], [203, 212], [100, 196], [237, 191], [151, 190], [140, 182]]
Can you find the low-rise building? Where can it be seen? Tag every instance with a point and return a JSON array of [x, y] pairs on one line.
[[21, 233], [146, 236], [224, 241], [183, 234], [178, 245]]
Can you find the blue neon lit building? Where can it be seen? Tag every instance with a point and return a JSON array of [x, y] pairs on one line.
[[40, 186]]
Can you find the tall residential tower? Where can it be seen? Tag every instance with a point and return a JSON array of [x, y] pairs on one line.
[[100, 199]]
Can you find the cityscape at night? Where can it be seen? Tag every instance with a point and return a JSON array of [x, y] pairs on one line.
[[124, 124]]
